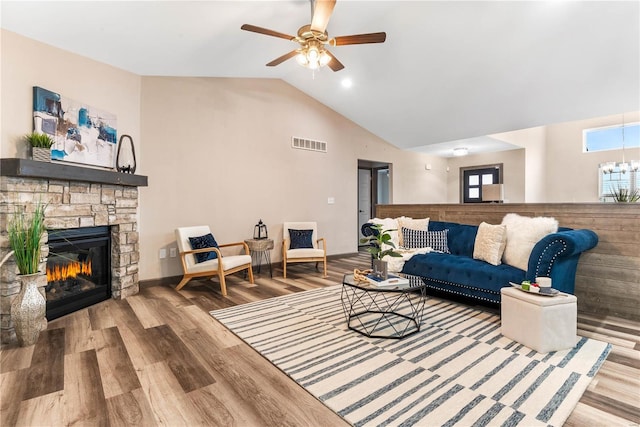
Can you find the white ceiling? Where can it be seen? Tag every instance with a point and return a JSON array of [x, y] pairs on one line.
[[449, 73]]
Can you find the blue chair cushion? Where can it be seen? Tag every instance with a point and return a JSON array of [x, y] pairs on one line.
[[300, 239], [201, 242]]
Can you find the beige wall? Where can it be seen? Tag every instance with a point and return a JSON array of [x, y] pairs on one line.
[[551, 167], [218, 152], [513, 168], [27, 63], [572, 176]]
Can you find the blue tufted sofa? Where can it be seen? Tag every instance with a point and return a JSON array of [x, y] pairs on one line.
[[556, 256]]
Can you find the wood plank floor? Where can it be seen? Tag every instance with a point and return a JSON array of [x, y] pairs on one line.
[[159, 358]]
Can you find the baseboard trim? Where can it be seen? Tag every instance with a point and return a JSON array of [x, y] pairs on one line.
[[171, 280], [174, 280]]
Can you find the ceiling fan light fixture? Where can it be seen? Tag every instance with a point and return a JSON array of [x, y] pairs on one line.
[[324, 58], [301, 58]]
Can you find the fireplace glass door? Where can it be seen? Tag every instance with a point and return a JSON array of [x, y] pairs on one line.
[[78, 269]]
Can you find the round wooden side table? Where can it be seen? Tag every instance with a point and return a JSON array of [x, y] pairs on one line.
[[260, 249]]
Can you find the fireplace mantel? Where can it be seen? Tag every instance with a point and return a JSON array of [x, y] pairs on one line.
[[26, 168]]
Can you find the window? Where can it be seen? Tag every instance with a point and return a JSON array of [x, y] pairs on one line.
[[611, 137]]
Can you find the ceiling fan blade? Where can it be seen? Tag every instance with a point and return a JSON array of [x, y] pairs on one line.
[[283, 58], [359, 39], [322, 10], [334, 64], [260, 30]]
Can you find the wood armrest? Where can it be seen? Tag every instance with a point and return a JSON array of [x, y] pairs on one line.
[[324, 243]]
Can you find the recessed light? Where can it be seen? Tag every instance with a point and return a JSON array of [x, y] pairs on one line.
[[347, 83]]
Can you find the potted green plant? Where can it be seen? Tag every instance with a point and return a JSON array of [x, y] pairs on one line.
[[624, 195], [380, 246], [28, 308], [40, 146]]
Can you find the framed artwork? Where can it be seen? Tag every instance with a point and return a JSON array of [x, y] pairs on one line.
[[82, 134]]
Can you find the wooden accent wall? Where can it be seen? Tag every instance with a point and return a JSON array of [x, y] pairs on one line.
[[608, 276]]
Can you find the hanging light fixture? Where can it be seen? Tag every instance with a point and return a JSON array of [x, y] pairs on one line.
[[623, 166]]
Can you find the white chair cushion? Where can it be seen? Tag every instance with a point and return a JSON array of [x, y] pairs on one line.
[[182, 239], [305, 253], [228, 262], [301, 226]]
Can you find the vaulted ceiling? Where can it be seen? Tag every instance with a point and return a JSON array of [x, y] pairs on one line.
[[450, 72]]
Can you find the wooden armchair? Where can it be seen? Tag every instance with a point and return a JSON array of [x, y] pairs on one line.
[[300, 243], [212, 262]]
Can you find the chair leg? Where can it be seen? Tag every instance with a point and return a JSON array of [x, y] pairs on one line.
[[325, 267], [250, 273], [284, 269], [223, 284], [183, 282]]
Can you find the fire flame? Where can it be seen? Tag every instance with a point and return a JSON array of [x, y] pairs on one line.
[[70, 270]]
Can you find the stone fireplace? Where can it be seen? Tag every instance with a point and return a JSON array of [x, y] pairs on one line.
[[76, 198]]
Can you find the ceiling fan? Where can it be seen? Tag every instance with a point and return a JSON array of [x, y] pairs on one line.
[[313, 38]]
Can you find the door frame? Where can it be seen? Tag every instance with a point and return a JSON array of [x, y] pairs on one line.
[[373, 167]]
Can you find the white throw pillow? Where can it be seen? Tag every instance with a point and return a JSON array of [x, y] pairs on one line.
[[522, 235], [389, 224], [490, 243], [412, 224]]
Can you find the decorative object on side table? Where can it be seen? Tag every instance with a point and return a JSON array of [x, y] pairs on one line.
[[380, 245], [126, 157], [260, 231], [29, 307], [40, 146]]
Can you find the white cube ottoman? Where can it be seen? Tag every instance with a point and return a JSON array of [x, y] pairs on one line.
[[541, 323]]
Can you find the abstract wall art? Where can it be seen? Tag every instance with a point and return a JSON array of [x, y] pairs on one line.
[[82, 134]]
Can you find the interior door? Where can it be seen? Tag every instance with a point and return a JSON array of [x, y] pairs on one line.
[[364, 198], [474, 179]]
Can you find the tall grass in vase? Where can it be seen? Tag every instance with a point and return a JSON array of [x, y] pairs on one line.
[[28, 308], [25, 233]]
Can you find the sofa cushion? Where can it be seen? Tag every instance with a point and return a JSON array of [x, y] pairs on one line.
[[390, 225], [461, 237], [436, 240], [490, 243], [446, 270], [522, 235], [413, 224]]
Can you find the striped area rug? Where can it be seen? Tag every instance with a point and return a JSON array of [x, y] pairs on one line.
[[458, 370]]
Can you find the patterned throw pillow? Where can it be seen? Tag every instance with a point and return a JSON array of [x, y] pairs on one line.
[[300, 239], [437, 240], [201, 242]]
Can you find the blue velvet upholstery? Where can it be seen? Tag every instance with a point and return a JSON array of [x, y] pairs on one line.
[[555, 256]]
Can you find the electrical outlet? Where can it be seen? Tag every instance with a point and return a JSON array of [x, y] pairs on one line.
[[173, 252], [163, 253], [331, 200]]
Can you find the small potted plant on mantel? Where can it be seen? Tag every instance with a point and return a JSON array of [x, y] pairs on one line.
[[380, 246], [40, 145]]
